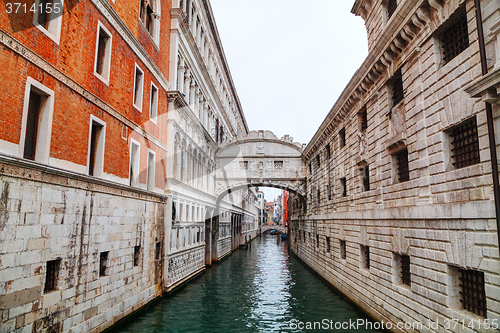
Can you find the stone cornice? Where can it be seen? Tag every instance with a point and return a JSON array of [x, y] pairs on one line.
[[11, 43], [115, 20], [403, 28], [488, 83], [33, 171]]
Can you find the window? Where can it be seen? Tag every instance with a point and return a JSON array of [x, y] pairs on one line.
[[343, 186], [392, 5], [103, 53], [343, 249], [327, 244], [318, 161], [48, 18], [147, 16], [455, 38], [405, 270], [366, 178], [51, 275], [96, 147], [402, 165], [103, 263], [329, 191], [472, 292], [363, 119], [158, 251], [328, 152], [365, 256], [243, 165], [37, 121], [397, 88], [153, 103], [318, 196], [151, 170], [138, 87], [278, 165], [465, 144], [137, 253], [342, 138], [134, 164]]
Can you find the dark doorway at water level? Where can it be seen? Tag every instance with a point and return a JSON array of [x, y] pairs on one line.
[[258, 289]]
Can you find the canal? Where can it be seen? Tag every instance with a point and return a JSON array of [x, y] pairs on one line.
[[259, 289]]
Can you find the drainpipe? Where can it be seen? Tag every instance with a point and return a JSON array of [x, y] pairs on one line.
[[489, 117]]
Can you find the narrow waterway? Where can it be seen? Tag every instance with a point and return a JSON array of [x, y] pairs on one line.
[[260, 289]]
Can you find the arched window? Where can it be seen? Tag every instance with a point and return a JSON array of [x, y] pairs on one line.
[[149, 15]]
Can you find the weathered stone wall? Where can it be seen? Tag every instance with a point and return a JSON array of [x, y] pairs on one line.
[[46, 216]]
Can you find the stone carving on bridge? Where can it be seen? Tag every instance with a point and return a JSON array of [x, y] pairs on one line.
[[261, 159]]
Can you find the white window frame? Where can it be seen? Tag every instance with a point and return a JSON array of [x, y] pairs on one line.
[[42, 152], [54, 29], [153, 104], [151, 171], [141, 89], [107, 54], [101, 144], [135, 164]]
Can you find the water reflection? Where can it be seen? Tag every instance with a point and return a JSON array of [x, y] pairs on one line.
[[260, 289]]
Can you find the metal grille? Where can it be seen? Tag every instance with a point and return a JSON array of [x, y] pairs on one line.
[[405, 270], [465, 144], [472, 293], [391, 7], [343, 249], [366, 178], [403, 170], [103, 263], [32, 126], [397, 88], [363, 118], [455, 39], [51, 275]]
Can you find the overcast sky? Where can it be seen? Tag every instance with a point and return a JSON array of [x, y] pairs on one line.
[[290, 60]]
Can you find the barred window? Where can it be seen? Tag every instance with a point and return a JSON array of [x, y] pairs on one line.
[[397, 88], [365, 256], [51, 275], [465, 144], [455, 39], [391, 7], [343, 249], [343, 186], [405, 270], [366, 178], [327, 244], [472, 293], [403, 170], [328, 152], [103, 263], [342, 137]]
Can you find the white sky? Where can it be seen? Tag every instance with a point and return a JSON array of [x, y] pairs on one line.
[[290, 60]]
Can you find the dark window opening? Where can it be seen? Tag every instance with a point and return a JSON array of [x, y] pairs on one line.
[[103, 263], [465, 144], [343, 249], [51, 275], [343, 187], [318, 196], [455, 39], [146, 15], [44, 7], [342, 137], [101, 51], [403, 170], [327, 244], [32, 125], [317, 240], [328, 152], [137, 88], [391, 7], [158, 250], [137, 252], [472, 293], [363, 119], [365, 256], [397, 88], [366, 178], [318, 161], [95, 133], [329, 191], [405, 270]]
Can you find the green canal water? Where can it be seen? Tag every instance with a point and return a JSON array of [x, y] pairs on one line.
[[260, 289]]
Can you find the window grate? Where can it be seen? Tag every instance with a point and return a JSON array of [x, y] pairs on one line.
[[403, 170], [465, 144], [391, 7], [472, 293], [405, 270], [363, 117], [455, 39], [103, 263], [397, 88], [51, 275]]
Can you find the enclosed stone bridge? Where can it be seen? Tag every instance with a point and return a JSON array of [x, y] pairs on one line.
[[260, 159], [279, 228]]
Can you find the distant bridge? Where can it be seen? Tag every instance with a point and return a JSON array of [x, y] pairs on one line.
[[279, 228]]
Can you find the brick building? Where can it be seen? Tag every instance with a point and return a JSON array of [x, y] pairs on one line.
[[98, 216], [400, 213]]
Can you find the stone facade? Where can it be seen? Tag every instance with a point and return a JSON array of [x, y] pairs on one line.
[[395, 218]]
